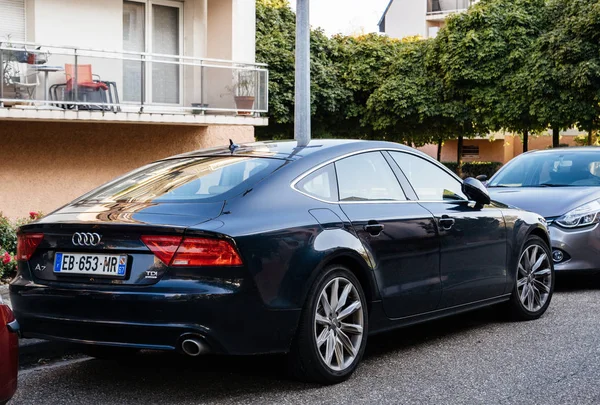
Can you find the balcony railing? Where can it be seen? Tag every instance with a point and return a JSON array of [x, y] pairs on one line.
[[35, 76], [441, 7]]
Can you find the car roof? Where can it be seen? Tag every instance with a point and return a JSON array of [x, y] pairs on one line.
[[289, 150]]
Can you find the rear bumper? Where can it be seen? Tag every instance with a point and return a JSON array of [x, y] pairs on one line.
[[230, 321], [582, 246]]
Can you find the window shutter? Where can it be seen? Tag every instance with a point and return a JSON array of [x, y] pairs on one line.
[[12, 20]]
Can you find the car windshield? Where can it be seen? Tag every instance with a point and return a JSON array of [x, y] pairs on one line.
[[189, 179], [564, 169]]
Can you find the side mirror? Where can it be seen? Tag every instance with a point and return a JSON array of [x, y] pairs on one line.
[[476, 191], [482, 178]]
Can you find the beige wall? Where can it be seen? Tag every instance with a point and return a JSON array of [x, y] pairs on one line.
[[84, 23], [489, 151], [501, 150], [243, 16], [46, 165], [220, 28], [514, 146]]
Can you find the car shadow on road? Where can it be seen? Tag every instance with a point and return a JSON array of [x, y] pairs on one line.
[[214, 378], [423, 334], [576, 282]]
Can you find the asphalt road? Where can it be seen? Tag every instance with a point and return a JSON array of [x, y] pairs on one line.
[[478, 358]]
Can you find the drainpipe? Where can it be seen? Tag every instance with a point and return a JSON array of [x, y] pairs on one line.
[[302, 108]]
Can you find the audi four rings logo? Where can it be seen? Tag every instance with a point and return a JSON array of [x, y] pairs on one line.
[[86, 239]]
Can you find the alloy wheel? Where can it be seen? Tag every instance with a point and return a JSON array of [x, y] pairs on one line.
[[534, 278], [339, 324]]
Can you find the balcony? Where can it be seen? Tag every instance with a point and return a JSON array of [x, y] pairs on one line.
[[62, 83], [440, 9]]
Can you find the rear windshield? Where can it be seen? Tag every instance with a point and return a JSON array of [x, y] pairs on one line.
[[567, 169], [187, 180]]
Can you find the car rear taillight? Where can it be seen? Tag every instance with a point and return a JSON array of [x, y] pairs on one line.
[[163, 247], [192, 252], [27, 243]]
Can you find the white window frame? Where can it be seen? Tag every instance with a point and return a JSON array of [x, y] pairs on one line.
[[148, 47]]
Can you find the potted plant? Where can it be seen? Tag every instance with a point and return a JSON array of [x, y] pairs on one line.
[[244, 90]]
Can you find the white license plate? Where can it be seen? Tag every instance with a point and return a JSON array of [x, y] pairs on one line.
[[90, 264]]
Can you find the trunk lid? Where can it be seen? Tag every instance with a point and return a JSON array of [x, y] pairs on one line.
[[110, 232]]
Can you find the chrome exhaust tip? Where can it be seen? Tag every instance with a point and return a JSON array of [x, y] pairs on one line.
[[194, 347]]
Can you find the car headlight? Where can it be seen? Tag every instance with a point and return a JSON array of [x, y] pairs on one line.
[[585, 215]]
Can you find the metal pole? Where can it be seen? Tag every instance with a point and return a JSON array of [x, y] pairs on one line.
[[1, 75], [302, 109], [76, 80], [142, 82]]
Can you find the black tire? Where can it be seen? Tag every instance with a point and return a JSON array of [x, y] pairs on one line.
[[109, 353], [304, 360], [517, 308]]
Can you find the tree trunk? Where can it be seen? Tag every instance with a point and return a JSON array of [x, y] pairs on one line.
[[459, 150], [555, 137], [439, 150], [525, 141], [590, 138]]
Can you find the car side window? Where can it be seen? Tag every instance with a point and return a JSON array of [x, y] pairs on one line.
[[429, 181], [321, 184], [367, 177]]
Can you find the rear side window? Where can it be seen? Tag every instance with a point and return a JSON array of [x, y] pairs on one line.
[[321, 184], [189, 179], [367, 177]]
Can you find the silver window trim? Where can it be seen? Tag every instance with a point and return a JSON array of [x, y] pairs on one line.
[[337, 158]]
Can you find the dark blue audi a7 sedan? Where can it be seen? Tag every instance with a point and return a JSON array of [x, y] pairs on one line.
[[275, 248]]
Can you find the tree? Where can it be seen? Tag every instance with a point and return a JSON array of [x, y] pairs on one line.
[[412, 105], [275, 40], [573, 43], [484, 57], [364, 62]]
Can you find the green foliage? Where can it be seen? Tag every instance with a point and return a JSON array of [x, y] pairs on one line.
[[516, 65], [583, 140], [275, 41], [572, 46], [364, 62], [474, 169], [409, 104], [485, 57]]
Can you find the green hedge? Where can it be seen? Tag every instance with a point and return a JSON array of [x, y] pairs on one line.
[[474, 169]]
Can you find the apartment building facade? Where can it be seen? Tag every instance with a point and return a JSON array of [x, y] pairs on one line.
[[424, 18], [92, 89]]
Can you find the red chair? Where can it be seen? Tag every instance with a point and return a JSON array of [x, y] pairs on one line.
[[90, 90], [85, 78], [9, 353]]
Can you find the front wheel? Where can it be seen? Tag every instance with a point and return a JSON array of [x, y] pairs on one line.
[[534, 281], [333, 328]]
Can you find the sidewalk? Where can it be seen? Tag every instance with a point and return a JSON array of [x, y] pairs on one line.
[[34, 350]]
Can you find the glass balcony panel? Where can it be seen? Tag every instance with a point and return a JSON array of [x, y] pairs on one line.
[[127, 81]]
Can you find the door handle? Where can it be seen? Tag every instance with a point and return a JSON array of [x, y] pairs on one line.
[[374, 228], [446, 222]]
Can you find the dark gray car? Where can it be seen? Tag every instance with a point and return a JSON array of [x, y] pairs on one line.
[[563, 185]]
